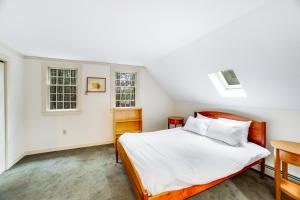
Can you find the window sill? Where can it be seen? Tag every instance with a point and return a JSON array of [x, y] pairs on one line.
[[61, 112]]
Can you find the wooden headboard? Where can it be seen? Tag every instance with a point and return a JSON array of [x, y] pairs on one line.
[[257, 130]]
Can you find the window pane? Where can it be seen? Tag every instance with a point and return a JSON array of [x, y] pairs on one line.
[[73, 97], [73, 89], [67, 81], [53, 72], [60, 72], [73, 73], [67, 105], [68, 73], [73, 105], [53, 80], [73, 81], [52, 97], [59, 105], [230, 77], [67, 97], [52, 105], [59, 97], [52, 89], [59, 89], [67, 89], [60, 81]]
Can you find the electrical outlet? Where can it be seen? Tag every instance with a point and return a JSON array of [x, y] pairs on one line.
[[64, 131]]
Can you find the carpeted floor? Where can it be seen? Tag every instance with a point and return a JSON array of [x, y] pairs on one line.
[[91, 174]]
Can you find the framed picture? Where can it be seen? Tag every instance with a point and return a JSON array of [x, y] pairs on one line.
[[95, 84]]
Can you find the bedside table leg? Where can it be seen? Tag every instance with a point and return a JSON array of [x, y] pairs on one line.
[[277, 175], [117, 156]]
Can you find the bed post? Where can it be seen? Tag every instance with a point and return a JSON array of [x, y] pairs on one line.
[[262, 168]]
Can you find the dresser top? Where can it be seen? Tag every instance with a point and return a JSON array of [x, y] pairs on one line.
[[292, 147]]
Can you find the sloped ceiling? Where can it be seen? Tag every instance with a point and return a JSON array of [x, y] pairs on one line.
[[262, 47], [119, 31], [179, 41]]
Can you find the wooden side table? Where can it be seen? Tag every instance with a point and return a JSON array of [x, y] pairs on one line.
[[287, 153], [175, 120]]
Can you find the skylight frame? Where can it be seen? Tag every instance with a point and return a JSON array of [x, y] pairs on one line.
[[224, 89], [225, 83]]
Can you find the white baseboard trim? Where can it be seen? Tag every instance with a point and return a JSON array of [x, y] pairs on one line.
[[61, 148], [9, 165]]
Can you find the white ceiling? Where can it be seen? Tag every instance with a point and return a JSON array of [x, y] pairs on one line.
[[119, 31], [263, 48]]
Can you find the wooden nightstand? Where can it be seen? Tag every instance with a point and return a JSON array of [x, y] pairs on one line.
[[287, 153], [175, 120], [126, 120]]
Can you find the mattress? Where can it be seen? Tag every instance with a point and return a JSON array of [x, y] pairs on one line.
[[174, 159]]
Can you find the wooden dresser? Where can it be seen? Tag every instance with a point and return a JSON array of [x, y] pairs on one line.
[[126, 120], [286, 153]]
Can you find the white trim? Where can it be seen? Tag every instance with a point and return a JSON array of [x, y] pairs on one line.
[[53, 149], [45, 94], [221, 88], [9, 165], [4, 61], [61, 148]]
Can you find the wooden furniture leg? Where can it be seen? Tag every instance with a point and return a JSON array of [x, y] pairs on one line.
[[262, 168], [277, 175], [284, 170], [116, 150]]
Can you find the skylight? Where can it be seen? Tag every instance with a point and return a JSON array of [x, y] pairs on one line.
[[227, 84]]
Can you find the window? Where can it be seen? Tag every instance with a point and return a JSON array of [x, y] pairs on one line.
[[227, 84], [62, 89], [229, 79], [125, 89]]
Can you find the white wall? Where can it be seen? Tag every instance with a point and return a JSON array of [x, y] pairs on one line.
[[282, 124], [94, 123], [15, 104]]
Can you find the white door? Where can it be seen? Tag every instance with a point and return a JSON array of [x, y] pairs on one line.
[[2, 117]]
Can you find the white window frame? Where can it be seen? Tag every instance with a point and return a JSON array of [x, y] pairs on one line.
[[224, 89], [225, 83], [124, 69], [45, 88]]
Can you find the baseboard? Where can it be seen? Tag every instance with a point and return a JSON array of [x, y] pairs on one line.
[[61, 148], [9, 165], [269, 170]]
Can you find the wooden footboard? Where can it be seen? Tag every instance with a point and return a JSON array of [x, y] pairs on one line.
[[132, 174]]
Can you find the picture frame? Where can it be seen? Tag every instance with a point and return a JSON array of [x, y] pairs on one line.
[[95, 84]]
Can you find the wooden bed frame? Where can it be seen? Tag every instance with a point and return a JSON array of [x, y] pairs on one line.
[[257, 135]]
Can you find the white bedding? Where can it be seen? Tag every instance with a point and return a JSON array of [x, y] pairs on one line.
[[174, 159]]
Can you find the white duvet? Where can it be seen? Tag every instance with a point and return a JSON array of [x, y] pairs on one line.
[[174, 159]]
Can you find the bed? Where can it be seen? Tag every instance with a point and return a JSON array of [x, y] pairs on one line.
[[151, 184]]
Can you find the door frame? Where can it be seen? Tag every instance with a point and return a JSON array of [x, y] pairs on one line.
[[4, 61]]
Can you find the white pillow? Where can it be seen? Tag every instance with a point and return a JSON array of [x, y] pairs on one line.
[[202, 116], [244, 124], [226, 132], [196, 125]]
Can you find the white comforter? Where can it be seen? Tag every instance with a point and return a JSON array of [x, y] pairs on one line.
[[174, 159]]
